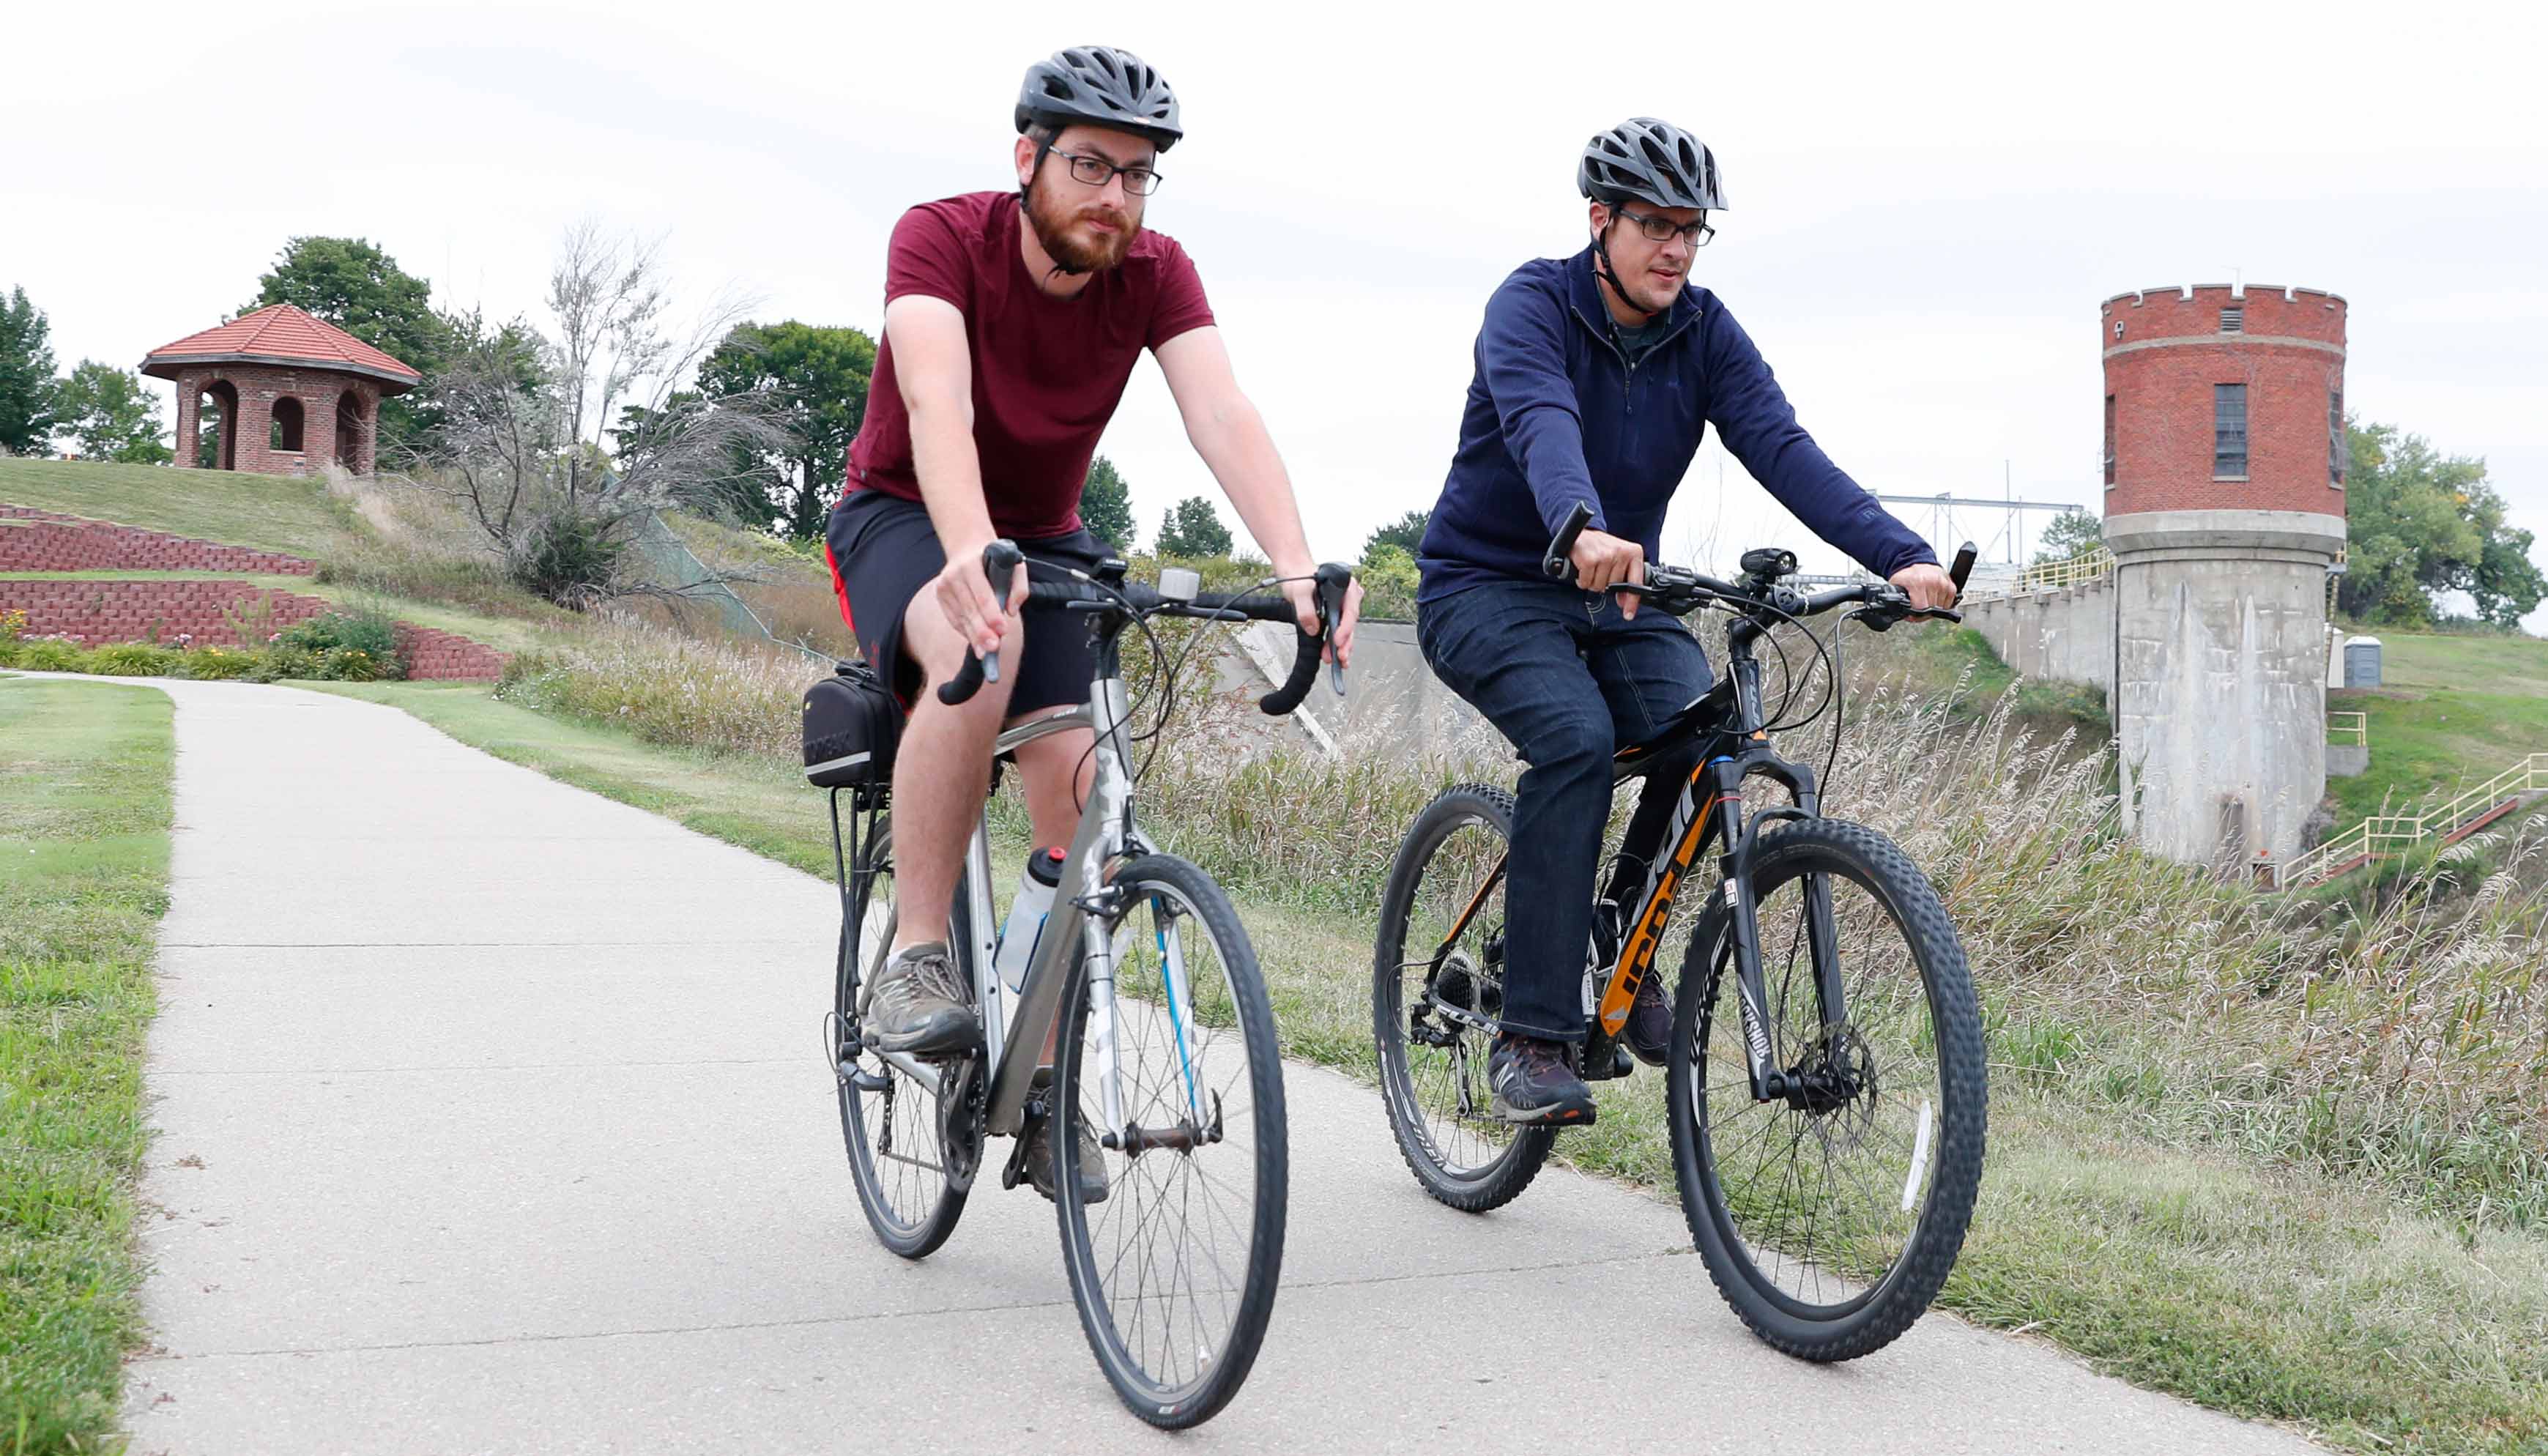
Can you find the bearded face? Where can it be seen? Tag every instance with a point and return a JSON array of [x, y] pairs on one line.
[[1084, 229]]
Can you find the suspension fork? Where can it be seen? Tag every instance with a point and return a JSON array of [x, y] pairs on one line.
[[1743, 926]]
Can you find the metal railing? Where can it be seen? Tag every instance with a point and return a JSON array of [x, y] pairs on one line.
[[2349, 728], [2382, 835], [2051, 575]]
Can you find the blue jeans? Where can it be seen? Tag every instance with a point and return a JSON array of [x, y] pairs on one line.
[[1569, 680]]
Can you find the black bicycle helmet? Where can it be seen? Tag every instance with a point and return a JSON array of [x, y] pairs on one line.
[[1101, 86], [1653, 161]]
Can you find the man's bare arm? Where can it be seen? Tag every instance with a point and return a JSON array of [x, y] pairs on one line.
[[936, 374], [1230, 435]]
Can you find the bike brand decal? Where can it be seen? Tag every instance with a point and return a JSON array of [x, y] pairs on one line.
[[1639, 956]]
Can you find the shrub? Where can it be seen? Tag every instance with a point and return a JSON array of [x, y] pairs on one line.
[[51, 655], [216, 664], [569, 557], [370, 638], [282, 660], [133, 660], [350, 664]]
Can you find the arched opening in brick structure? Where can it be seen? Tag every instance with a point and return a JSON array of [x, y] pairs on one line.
[[349, 430], [286, 431], [218, 447]]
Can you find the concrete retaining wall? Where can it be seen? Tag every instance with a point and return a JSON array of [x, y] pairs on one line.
[[2065, 635]]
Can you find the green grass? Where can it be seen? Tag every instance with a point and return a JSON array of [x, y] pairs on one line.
[[2433, 740], [2497, 665], [84, 815], [287, 513], [2263, 1290]]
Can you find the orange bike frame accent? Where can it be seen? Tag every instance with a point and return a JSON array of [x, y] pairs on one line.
[[1637, 957]]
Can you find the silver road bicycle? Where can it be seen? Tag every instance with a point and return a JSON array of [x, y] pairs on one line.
[[1163, 1055]]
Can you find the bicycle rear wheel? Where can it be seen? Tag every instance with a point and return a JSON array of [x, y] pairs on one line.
[[1436, 987], [1174, 1272], [1828, 1217], [890, 1122]]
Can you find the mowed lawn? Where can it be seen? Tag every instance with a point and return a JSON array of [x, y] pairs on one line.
[[287, 513], [84, 817], [2451, 713]]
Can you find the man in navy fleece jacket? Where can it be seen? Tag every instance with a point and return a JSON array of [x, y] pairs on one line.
[[1597, 376]]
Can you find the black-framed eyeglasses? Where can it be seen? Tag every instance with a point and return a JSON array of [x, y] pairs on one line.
[[1097, 171], [1658, 229]]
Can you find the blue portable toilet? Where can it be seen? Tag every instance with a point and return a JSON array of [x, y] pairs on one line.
[[2361, 661]]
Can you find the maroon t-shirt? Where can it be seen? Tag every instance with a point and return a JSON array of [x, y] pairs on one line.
[[1048, 372]]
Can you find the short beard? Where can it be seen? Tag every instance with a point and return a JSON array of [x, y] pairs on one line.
[[1051, 220]]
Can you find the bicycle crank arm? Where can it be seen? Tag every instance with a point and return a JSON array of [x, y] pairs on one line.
[[923, 1072]]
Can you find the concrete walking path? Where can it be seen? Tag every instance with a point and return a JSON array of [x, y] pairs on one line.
[[491, 1118]]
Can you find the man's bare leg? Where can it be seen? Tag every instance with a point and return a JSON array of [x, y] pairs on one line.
[[942, 770]]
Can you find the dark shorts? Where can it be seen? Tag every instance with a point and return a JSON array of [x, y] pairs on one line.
[[883, 551]]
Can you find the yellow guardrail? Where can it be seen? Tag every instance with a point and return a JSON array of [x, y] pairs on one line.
[[2382, 834], [2049, 575], [2349, 728]]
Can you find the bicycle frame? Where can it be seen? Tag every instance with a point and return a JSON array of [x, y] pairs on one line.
[[1728, 726], [1014, 1037]]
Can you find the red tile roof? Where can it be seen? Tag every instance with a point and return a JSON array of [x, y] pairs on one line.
[[280, 333]]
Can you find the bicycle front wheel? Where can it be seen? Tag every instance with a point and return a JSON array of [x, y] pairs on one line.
[[1829, 1216], [890, 1122], [1172, 1079]]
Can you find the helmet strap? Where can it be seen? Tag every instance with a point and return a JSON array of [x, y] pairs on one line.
[[1603, 270]]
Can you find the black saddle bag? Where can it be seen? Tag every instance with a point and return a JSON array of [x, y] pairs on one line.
[[852, 724]]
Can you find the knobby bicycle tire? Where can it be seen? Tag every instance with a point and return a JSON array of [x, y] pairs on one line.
[[1422, 1131], [1875, 1306]]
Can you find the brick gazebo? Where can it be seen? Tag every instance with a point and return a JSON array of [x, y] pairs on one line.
[[293, 392]]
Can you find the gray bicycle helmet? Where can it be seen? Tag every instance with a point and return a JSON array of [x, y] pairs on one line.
[[1655, 161], [1101, 86]]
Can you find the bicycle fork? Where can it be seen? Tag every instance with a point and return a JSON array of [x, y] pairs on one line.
[[1800, 1086]]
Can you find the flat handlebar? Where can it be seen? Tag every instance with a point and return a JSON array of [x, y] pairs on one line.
[[1678, 590]]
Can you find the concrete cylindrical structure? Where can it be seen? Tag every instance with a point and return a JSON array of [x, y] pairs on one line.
[[2225, 507]]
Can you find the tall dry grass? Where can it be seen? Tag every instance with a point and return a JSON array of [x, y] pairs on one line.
[[2404, 1040]]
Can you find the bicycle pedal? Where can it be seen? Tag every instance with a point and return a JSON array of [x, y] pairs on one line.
[[1604, 1069]]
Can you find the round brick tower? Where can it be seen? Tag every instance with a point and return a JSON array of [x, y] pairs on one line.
[[2225, 507]]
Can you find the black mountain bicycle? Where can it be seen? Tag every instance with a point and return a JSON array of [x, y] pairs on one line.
[[1825, 1083]]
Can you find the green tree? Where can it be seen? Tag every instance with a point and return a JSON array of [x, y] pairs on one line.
[[1193, 528], [1405, 533], [111, 416], [1388, 581], [2072, 534], [2419, 522], [1106, 506], [26, 376], [362, 290], [813, 381]]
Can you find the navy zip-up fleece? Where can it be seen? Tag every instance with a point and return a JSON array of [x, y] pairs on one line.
[[1556, 416]]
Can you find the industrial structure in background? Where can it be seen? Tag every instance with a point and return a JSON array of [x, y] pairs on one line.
[[2224, 462]]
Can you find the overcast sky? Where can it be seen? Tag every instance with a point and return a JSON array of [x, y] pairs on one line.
[[1928, 202]]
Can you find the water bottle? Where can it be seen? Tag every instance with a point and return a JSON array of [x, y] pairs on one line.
[[1026, 917]]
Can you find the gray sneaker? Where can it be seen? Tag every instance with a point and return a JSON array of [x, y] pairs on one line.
[[920, 1007], [1092, 1163]]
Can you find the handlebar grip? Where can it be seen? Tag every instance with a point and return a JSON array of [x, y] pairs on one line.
[[1305, 671], [1332, 580], [1558, 564], [1000, 563]]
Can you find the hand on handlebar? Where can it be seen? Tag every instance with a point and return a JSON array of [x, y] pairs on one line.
[[965, 594], [1929, 587], [1302, 594], [1602, 560]]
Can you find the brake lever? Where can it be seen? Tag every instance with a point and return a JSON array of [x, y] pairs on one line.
[[1332, 581]]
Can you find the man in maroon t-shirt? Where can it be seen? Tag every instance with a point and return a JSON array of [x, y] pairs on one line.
[[1012, 323]]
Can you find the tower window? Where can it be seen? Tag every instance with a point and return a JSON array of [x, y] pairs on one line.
[[2110, 439], [2336, 451], [285, 432], [2233, 319], [2229, 432]]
